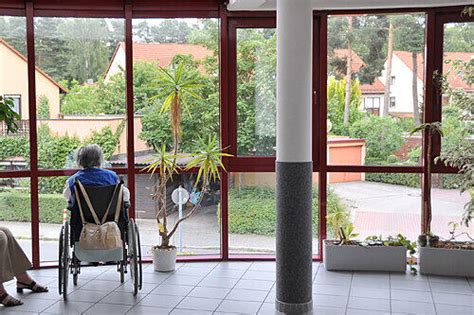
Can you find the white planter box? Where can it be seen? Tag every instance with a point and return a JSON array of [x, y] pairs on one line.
[[164, 260], [446, 262], [364, 258]]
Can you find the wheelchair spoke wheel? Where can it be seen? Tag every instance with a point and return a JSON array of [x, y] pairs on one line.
[[132, 255], [60, 261], [65, 260], [139, 247]]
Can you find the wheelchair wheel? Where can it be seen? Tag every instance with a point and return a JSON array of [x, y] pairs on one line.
[[76, 265], [63, 260], [140, 270], [133, 255]]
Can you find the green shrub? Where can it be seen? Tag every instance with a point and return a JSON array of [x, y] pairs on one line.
[[16, 206], [43, 107], [252, 210], [405, 179], [383, 136], [11, 146]]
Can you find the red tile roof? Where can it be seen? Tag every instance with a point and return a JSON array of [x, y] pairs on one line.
[[16, 52], [164, 53], [357, 64], [455, 81]]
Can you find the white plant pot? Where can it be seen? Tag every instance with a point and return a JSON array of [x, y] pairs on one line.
[[364, 258], [164, 260], [446, 262]]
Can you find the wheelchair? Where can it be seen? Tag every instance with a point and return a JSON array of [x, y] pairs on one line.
[[71, 255]]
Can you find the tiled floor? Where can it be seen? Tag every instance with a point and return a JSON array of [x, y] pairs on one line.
[[247, 288]]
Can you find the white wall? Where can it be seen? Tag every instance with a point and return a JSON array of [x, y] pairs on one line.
[[117, 63]]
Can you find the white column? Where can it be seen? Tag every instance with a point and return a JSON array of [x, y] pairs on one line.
[[294, 80], [294, 159]]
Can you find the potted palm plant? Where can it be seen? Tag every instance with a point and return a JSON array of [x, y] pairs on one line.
[[178, 89]]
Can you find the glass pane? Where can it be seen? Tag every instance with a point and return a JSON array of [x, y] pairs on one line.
[[15, 210], [256, 92], [448, 206], [375, 88], [78, 102], [14, 147], [198, 235], [252, 213], [457, 101], [375, 203], [191, 44]]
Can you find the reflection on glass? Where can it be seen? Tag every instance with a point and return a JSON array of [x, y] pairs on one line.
[[79, 100], [256, 92], [14, 147], [200, 234], [375, 203], [375, 88], [15, 210]]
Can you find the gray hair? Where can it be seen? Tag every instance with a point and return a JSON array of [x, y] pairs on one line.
[[90, 156]]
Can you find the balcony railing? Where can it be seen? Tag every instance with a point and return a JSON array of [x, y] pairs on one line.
[[23, 129]]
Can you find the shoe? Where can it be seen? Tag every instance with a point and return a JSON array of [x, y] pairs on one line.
[[33, 286]]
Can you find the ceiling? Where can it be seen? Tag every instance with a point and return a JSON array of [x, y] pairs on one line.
[[259, 5]]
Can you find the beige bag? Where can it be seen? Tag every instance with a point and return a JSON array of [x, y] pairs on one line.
[[101, 235]]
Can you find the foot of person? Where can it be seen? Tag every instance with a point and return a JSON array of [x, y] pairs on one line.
[[24, 281], [8, 300]]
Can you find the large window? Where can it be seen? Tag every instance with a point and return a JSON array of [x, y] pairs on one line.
[[365, 101], [80, 92]]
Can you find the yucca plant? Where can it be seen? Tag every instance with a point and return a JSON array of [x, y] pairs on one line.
[[208, 160]]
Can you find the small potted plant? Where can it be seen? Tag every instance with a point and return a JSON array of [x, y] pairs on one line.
[[373, 254], [177, 88]]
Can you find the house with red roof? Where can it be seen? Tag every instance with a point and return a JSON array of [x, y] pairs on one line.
[[401, 95], [14, 82], [161, 54]]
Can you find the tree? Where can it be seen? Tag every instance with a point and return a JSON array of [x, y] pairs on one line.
[[410, 36], [347, 102], [458, 37], [388, 70], [174, 31]]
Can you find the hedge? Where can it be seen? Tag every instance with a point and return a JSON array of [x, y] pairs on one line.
[[16, 207], [252, 210]]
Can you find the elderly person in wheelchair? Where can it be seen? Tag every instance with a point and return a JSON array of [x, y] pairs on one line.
[[99, 229]]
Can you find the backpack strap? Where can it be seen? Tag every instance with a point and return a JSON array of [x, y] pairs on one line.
[[88, 201], [117, 209], [119, 203]]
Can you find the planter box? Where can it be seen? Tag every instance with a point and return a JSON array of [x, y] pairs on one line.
[[364, 258], [446, 262]]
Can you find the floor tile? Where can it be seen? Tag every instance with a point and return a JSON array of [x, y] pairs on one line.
[[216, 282], [5, 311], [407, 276], [206, 292], [82, 295], [259, 275], [461, 288], [165, 301], [247, 295], [238, 265], [325, 310], [336, 279], [330, 300], [108, 309], [353, 311], [201, 304], [177, 279], [448, 280], [155, 277], [227, 273], [369, 304], [148, 310], [123, 298], [330, 289], [34, 305], [179, 311], [413, 307], [410, 285], [68, 308], [369, 292], [51, 295], [178, 290], [263, 266], [453, 299], [193, 271], [101, 285], [208, 265], [242, 307], [128, 287], [254, 285], [411, 295], [370, 282], [267, 309], [444, 309]]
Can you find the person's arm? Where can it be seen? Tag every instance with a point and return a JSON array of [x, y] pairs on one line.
[[67, 191]]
